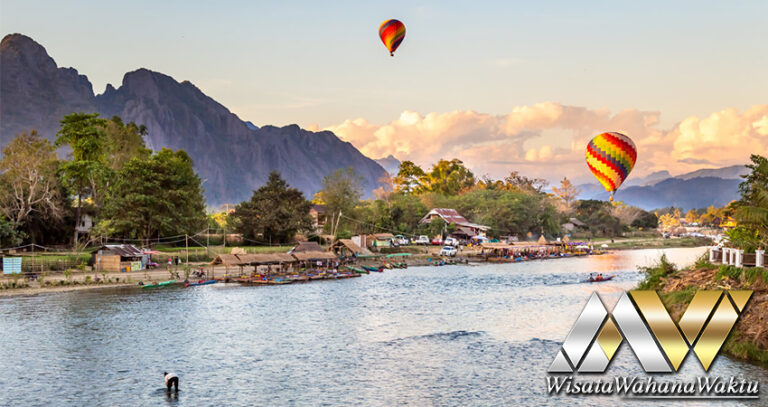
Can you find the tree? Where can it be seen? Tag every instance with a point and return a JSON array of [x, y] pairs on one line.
[[625, 213], [598, 217], [751, 210], [28, 182], [123, 142], [692, 216], [522, 183], [342, 190], [10, 236], [646, 220], [410, 178], [450, 177], [85, 172], [161, 196], [567, 192], [275, 212]]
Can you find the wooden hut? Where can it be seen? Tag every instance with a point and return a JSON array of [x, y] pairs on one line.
[[115, 258], [228, 260], [346, 248]]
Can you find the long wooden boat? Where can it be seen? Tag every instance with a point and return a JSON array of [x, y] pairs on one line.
[[201, 282], [159, 285]]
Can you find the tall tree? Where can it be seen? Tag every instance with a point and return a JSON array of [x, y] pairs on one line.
[[161, 196], [567, 192], [85, 172], [28, 182], [410, 178], [123, 142], [342, 190], [275, 212], [515, 180], [751, 211], [450, 177]]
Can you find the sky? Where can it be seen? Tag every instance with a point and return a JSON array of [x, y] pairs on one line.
[[501, 85]]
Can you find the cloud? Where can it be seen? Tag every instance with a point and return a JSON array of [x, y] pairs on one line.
[[548, 139]]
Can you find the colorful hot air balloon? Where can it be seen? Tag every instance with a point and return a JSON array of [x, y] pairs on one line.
[[392, 33], [611, 157]]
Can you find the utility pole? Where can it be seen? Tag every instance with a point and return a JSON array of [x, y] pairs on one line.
[[186, 244], [207, 240]]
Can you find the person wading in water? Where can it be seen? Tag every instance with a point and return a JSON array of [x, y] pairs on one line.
[[171, 380]]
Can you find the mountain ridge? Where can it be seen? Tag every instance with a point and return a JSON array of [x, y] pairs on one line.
[[232, 156]]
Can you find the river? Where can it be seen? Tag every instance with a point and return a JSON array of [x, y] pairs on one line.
[[453, 335]]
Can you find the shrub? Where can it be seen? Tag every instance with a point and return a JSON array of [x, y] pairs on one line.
[[728, 271], [654, 274]]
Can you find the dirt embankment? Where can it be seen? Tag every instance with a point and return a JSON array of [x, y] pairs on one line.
[[749, 339]]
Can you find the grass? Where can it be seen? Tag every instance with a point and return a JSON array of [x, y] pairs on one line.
[[655, 272], [741, 347]]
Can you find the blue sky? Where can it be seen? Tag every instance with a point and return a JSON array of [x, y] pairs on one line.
[[322, 63]]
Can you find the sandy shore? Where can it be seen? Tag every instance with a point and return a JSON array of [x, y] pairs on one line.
[[29, 291]]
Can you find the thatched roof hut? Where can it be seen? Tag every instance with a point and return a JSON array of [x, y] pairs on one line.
[[266, 258], [306, 247], [227, 260], [348, 248], [312, 256], [542, 240]]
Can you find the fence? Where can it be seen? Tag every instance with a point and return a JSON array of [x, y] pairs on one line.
[[737, 257]]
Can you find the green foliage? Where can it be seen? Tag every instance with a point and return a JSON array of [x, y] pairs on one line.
[[679, 297], [275, 212], [742, 347], [646, 220], [703, 262], [751, 211], [342, 190], [748, 239], [655, 272], [598, 217], [10, 236], [161, 196], [728, 271]]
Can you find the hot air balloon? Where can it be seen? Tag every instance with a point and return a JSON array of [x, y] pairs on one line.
[[611, 157], [392, 33]]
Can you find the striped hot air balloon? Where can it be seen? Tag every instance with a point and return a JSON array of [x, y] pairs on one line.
[[611, 157], [392, 33]]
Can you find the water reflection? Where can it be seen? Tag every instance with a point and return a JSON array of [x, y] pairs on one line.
[[453, 335]]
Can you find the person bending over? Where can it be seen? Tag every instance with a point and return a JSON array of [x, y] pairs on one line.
[[171, 380]]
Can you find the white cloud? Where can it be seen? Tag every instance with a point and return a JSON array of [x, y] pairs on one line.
[[548, 139]]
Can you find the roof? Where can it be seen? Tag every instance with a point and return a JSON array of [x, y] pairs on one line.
[[266, 258], [303, 256], [123, 250], [352, 246], [542, 240], [577, 222], [452, 216], [307, 247], [318, 208], [488, 245], [227, 259], [463, 231], [383, 236]]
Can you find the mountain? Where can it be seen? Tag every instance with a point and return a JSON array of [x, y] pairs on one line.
[[697, 189], [649, 179], [732, 172], [687, 194], [35, 93], [390, 164], [232, 157]]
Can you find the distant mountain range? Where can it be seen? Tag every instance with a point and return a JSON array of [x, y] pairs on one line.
[[697, 189], [232, 156], [390, 164]]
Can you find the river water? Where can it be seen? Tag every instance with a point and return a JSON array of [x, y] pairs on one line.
[[453, 335]]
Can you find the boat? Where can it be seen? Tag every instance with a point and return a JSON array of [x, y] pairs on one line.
[[373, 269], [201, 282], [357, 270], [159, 285], [600, 280]]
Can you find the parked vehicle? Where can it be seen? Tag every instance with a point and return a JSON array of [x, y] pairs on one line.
[[448, 251], [437, 241], [423, 239], [401, 240], [452, 241]]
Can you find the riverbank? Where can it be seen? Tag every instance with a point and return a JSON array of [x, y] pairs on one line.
[[749, 339]]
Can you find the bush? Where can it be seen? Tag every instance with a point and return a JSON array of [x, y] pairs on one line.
[[728, 271], [703, 262], [654, 274]]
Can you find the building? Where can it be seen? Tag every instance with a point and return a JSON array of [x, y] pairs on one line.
[[119, 258], [306, 247], [464, 228], [346, 248], [573, 224], [319, 217], [86, 223]]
